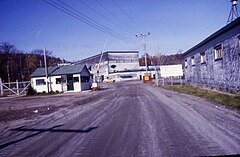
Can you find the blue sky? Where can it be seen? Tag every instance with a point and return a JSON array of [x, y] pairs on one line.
[[174, 25]]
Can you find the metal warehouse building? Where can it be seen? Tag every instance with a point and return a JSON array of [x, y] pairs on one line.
[[215, 62], [116, 65]]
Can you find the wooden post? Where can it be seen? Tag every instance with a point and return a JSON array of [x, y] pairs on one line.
[[17, 87], [1, 87], [156, 76]]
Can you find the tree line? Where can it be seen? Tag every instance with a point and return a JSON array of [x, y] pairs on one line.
[[159, 59], [19, 65]]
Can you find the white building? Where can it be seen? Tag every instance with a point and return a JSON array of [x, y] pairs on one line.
[[62, 79], [117, 65]]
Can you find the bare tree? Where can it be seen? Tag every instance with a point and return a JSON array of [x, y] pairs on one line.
[[6, 47]]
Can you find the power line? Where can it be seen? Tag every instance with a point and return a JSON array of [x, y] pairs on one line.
[[113, 15], [124, 11], [91, 20], [106, 18], [85, 19]]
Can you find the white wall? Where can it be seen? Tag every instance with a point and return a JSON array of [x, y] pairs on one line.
[[123, 61], [123, 66], [55, 87], [77, 85], [39, 88]]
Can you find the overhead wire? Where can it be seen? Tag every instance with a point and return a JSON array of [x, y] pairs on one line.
[[106, 18], [125, 12], [92, 20], [113, 15], [83, 18]]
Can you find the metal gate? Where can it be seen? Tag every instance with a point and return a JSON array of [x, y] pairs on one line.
[[14, 88]]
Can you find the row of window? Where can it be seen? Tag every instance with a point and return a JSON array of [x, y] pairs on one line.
[[218, 54], [123, 61], [60, 80]]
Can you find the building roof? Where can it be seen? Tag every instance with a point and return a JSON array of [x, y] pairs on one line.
[[233, 25], [60, 70], [121, 52], [95, 59]]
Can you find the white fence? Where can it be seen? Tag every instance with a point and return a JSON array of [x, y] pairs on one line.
[[170, 81], [14, 88]]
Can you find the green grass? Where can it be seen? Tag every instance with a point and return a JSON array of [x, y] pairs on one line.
[[222, 98]]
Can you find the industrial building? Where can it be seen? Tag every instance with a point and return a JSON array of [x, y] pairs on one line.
[[215, 62], [116, 65]]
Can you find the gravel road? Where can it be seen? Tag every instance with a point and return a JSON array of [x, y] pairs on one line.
[[129, 119]]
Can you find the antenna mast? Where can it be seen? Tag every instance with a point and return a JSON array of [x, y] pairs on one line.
[[234, 13]]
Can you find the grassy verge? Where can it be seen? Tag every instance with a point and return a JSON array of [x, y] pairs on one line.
[[222, 98]]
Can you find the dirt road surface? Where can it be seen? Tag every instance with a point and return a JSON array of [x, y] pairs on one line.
[[129, 119]]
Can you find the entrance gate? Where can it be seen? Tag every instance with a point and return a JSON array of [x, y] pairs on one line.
[[14, 88]]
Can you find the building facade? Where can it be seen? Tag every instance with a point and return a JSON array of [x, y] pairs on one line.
[[215, 62], [119, 66], [65, 78], [115, 65]]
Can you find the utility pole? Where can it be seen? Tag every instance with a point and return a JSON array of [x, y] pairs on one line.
[[8, 72], [46, 68], [143, 36], [98, 65]]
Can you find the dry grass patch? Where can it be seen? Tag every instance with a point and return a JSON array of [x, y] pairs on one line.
[[222, 98]]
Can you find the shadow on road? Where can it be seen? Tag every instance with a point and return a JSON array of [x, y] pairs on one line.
[[39, 131]]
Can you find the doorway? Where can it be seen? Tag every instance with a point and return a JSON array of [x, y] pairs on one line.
[[70, 83]]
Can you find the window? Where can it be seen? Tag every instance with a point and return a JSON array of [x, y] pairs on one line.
[[58, 80], [203, 58], [193, 61], [218, 52], [185, 63], [126, 76], [76, 79], [64, 79], [40, 82], [84, 79]]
